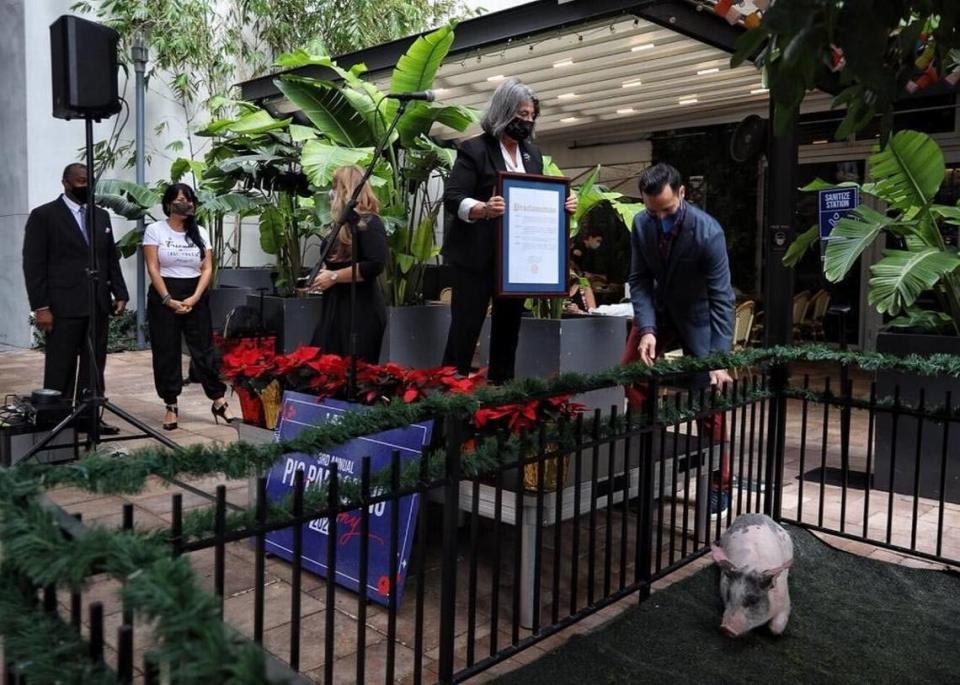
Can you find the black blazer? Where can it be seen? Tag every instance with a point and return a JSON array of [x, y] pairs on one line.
[[55, 257], [473, 246]]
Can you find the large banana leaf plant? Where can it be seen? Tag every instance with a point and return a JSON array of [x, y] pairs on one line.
[[590, 195], [134, 201], [905, 176], [349, 115]]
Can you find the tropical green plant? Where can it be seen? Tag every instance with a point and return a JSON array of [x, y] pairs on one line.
[[870, 51], [351, 115], [590, 195], [905, 176]]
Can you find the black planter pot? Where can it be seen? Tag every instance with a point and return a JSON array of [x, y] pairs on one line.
[[293, 319], [416, 336], [223, 300], [252, 277], [585, 344], [897, 462]]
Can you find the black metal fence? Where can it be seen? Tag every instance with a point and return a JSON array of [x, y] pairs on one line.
[[595, 513]]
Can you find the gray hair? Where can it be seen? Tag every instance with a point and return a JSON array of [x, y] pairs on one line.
[[503, 106]]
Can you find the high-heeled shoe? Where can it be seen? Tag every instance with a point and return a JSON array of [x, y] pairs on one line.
[[176, 412], [221, 413]]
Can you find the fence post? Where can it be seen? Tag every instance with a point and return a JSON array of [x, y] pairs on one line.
[[645, 487], [453, 427], [776, 440]]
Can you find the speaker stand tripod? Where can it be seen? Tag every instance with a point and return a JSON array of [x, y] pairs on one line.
[[94, 404]]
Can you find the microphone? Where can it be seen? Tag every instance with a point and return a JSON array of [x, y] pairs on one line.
[[427, 95]]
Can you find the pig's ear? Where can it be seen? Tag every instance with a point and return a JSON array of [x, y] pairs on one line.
[[720, 557], [768, 577]]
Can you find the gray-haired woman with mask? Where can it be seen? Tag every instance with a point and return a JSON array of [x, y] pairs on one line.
[[470, 245]]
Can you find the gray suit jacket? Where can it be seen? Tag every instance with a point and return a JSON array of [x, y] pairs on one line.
[[692, 291]]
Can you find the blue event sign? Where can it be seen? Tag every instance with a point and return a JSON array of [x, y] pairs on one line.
[[834, 204], [301, 411]]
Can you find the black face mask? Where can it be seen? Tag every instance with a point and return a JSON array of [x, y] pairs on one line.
[[519, 129], [80, 194]]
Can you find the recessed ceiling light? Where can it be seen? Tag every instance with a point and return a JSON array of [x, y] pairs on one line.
[[569, 120], [704, 72], [566, 96], [642, 46], [631, 84], [759, 91], [688, 101], [627, 110], [498, 77], [563, 63]]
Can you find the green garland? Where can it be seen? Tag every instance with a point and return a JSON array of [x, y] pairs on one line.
[[191, 637], [39, 645]]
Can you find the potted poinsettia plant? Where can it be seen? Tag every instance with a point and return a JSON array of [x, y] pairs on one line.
[[249, 365], [521, 418]]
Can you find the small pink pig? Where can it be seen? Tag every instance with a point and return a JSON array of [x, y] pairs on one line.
[[754, 556]]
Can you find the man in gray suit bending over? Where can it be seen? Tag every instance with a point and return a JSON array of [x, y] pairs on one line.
[[681, 294]]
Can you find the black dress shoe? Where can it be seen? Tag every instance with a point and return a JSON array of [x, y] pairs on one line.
[[105, 428]]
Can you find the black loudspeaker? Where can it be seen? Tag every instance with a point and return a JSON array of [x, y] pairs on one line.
[[84, 65]]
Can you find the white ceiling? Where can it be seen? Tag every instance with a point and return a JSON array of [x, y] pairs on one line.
[[593, 84]]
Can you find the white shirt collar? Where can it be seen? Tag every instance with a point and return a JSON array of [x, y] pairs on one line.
[[71, 205], [514, 164]]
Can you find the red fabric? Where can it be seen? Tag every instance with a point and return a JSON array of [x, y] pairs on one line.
[[714, 425]]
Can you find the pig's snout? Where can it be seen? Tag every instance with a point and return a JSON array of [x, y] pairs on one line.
[[728, 631]]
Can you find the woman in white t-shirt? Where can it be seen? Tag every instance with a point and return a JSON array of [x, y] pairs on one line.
[[180, 263]]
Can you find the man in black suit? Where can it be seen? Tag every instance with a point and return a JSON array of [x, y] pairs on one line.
[[55, 261], [470, 245]]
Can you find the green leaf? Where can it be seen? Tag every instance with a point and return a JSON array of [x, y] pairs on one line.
[[232, 203], [800, 245], [819, 184], [908, 172], [901, 276], [420, 117], [373, 106], [404, 261], [260, 121], [328, 109], [423, 247], [922, 319], [417, 68], [747, 45], [628, 212], [949, 214], [300, 133], [271, 230], [550, 167], [320, 160], [850, 237], [446, 157], [130, 241], [588, 195], [182, 165]]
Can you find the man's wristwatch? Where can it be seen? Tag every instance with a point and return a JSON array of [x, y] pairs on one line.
[[166, 298], [333, 276]]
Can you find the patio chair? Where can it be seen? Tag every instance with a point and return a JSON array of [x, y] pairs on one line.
[[817, 312]]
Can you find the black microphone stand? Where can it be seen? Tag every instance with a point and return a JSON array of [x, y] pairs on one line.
[[349, 217], [90, 407]]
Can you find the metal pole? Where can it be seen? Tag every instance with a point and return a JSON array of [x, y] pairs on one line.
[[779, 233], [140, 55]]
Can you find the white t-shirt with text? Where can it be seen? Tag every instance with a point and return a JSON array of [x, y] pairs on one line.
[[179, 257]]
